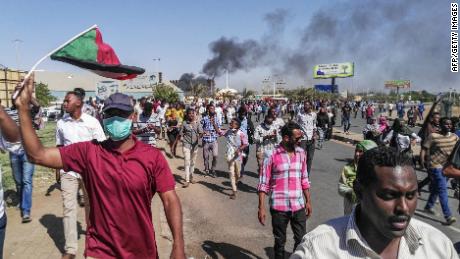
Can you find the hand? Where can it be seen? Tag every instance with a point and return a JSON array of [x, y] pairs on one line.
[[150, 126], [308, 209], [261, 215], [24, 98], [177, 252]]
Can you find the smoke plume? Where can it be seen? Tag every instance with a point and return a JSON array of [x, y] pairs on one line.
[[385, 39]]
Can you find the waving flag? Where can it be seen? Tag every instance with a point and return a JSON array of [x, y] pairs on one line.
[[88, 51]]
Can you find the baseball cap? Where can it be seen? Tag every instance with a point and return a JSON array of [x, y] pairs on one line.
[[118, 101]]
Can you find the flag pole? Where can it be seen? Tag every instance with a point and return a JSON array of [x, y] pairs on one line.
[[16, 93]]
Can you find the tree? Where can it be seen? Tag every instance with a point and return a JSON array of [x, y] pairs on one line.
[[167, 93], [248, 93], [43, 94]]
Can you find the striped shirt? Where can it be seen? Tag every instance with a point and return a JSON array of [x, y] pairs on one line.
[[149, 136], [285, 178], [440, 147], [341, 238], [210, 134]]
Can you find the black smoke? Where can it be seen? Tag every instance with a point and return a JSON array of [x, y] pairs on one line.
[[386, 40]]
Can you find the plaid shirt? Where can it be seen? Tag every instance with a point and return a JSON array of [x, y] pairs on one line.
[[285, 178], [210, 134]]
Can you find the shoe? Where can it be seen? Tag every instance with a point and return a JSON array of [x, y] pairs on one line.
[[81, 200], [233, 196], [450, 220], [185, 185], [26, 219], [213, 174], [206, 173], [68, 256], [430, 211], [193, 181]]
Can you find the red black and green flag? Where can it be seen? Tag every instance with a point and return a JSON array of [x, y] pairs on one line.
[[88, 51]]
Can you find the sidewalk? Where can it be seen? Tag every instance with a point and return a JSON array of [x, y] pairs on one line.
[[354, 138]]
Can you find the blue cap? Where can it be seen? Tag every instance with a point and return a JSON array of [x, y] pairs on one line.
[[118, 101]]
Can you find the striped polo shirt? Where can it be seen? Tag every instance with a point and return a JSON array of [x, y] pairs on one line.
[[440, 147]]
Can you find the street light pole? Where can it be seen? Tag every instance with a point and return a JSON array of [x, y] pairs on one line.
[[16, 45]]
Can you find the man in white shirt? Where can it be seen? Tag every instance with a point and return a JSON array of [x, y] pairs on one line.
[[76, 126], [381, 225], [307, 121]]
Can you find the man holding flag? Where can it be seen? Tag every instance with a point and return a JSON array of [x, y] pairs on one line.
[[120, 182]]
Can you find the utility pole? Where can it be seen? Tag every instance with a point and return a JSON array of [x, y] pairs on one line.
[[16, 45]]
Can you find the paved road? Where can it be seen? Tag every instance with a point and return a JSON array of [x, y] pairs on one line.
[[222, 228]]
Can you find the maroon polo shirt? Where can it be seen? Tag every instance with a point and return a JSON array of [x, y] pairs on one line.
[[120, 187]]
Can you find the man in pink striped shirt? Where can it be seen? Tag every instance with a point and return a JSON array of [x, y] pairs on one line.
[[284, 178]]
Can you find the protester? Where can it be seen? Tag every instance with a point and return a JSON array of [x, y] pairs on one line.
[[236, 143], [439, 146], [346, 117], [401, 137], [266, 138], [322, 125], [278, 123], [9, 140], [211, 130], [432, 127], [382, 224], [172, 132], [120, 179], [22, 168], [348, 176], [288, 202], [307, 121], [247, 127], [189, 133], [76, 126], [148, 125]]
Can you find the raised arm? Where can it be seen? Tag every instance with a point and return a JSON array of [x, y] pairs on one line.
[[8, 127], [36, 152]]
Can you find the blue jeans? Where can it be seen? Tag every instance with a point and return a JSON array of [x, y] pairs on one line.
[[346, 124], [23, 172], [438, 187], [2, 233]]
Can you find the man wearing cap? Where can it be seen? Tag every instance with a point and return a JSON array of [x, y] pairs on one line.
[[120, 180]]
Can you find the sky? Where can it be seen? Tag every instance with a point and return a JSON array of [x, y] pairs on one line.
[[252, 40]]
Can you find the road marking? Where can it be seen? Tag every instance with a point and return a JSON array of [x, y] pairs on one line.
[[454, 229]]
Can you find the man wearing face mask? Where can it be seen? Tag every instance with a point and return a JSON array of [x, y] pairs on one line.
[[284, 177], [120, 179], [266, 138]]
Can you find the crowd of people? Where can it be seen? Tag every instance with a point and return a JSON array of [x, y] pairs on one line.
[[106, 160]]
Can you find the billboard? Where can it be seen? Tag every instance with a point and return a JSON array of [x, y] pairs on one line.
[[105, 88], [142, 83], [397, 84], [333, 70], [327, 88]]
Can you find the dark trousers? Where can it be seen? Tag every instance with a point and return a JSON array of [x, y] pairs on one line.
[[2, 233], [280, 220], [309, 147]]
